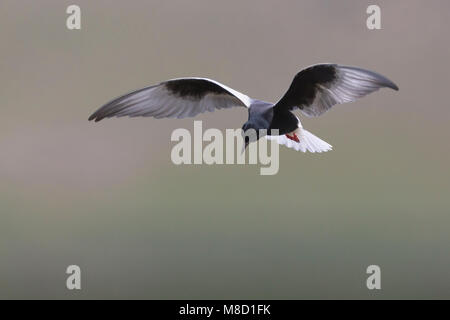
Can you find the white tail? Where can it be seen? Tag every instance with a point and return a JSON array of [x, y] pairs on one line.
[[311, 143], [308, 142]]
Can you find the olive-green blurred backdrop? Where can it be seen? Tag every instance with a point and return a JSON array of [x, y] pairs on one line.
[[107, 197]]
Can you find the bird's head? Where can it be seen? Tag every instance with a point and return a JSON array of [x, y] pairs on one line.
[[250, 133]]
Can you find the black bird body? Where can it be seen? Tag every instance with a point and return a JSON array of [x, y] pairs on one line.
[[313, 90], [284, 121]]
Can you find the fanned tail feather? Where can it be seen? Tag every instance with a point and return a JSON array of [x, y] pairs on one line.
[[308, 142]]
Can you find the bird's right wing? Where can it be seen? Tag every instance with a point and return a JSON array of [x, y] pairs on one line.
[[177, 98], [316, 89]]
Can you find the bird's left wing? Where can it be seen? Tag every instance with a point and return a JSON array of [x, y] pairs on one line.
[[176, 98], [316, 89]]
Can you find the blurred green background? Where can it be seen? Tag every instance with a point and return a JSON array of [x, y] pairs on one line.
[[107, 197]]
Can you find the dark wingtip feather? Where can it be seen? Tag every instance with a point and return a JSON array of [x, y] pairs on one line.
[[395, 87], [388, 83], [94, 117], [101, 113]]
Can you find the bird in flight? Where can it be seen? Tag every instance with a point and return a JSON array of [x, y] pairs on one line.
[[314, 90]]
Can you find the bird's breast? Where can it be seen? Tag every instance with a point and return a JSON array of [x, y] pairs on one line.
[[284, 122]]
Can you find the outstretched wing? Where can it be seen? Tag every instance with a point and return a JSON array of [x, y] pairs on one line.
[[316, 89], [177, 98]]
